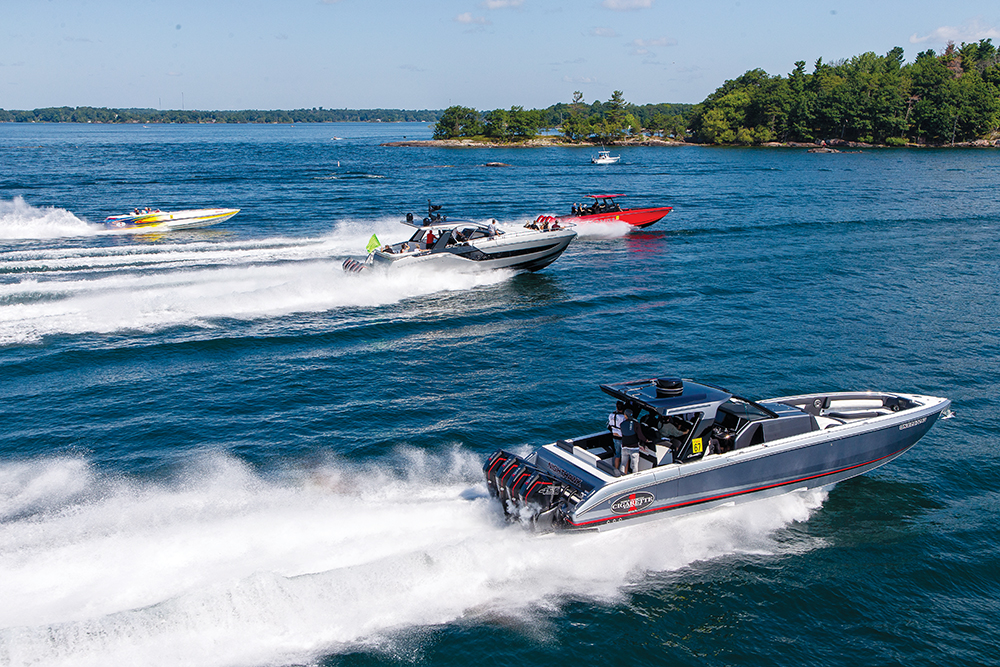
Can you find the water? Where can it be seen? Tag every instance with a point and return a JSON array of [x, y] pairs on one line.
[[219, 449]]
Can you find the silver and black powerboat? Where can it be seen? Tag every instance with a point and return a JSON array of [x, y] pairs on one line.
[[707, 447], [466, 245]]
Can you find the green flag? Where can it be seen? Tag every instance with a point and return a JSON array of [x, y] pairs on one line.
[[373, 244]]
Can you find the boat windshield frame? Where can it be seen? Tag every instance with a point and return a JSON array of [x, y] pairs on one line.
[[761, 411], [449, 224]]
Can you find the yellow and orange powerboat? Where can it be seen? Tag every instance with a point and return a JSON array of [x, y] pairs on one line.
[[146, 218]]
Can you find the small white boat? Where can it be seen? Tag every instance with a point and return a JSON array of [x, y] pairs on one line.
[[605, 157], [146, 218]]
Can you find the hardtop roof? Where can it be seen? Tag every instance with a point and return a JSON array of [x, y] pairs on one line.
[[644, 392]]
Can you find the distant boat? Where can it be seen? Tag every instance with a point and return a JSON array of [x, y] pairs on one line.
[[606, 209], [165, 220], [605, 157], [466, 245]]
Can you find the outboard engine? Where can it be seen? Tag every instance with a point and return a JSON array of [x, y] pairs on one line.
[[353, 266], [525, 492]]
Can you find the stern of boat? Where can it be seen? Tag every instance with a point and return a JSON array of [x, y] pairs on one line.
[[526, 493]]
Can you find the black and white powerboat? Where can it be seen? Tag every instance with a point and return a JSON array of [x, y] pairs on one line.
[[707, 447], [467, 245]]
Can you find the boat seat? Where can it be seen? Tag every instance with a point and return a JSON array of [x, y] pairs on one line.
[[859, 414], [646, 462], [608, 469], [827, 422], [583, 454], [664, 454]]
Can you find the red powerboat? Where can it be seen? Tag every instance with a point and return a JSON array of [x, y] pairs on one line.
[[606, 209]]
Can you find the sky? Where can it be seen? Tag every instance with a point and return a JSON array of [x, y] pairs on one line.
[[409, 54]]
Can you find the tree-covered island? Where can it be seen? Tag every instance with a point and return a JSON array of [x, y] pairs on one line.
[[939, 99]]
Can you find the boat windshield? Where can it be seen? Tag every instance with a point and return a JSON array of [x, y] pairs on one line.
[[737, 412]]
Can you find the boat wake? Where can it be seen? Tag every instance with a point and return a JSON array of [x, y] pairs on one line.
[[223, 566], [603, 230], [145, 287], [20, 220]]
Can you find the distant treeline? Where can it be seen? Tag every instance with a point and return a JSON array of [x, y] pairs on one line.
[[317, 115], [941, 98]]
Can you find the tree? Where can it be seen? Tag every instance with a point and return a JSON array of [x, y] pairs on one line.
[[577, 125], [496, 125], [458, 121], [524, 124], [614, 121], [577, 128]]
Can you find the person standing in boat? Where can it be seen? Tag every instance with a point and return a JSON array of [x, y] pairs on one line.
[[615, 420], [430, 239], [492, 228], [632, 441]]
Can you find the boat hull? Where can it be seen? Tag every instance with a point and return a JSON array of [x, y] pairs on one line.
[[189, 219], [743, 476], [637, 217], [809, 460]]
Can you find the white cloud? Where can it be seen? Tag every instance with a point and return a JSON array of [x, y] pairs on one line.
[[579, 79], [641, 47], [603, 32], [468, 19], [972, 31], [501, 4], [626, 5]]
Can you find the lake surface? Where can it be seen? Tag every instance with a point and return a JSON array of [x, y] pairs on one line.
[[216, 448]]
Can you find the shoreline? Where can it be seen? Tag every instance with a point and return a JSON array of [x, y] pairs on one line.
[[834, 146]]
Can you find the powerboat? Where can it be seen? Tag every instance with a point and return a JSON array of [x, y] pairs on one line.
[[605, 209], [706, 447], [146, 218], [467, 245], [605, 157]]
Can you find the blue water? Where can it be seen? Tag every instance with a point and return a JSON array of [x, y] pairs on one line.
[[216, 448]]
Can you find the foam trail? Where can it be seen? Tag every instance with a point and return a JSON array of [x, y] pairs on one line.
[[144, 287], [20, 220], [603, 230], [223, 567]]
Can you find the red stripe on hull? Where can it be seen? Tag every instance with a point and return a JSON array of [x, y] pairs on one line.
[[735, 493]]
